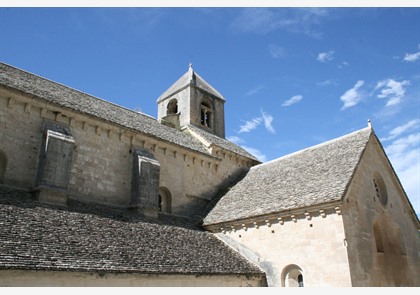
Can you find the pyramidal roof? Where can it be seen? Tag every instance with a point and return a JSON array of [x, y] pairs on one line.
[[312, 176], [190, 78]]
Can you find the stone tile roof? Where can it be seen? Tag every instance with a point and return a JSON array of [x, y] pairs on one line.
[[212, 139], [309, 177], [63, 96], [36, 236], [190, 78]]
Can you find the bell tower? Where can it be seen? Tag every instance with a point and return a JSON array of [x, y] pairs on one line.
[[192, 101]]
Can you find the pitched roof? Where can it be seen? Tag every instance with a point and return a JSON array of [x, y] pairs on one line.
[[36, 236], [210, 139], [308, 177], [63, 96], [190, 78]]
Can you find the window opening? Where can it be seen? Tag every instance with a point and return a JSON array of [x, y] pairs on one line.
[[165, 200], [300, 280], [172, 107], [378, 238], [206, 114], [380, 188]]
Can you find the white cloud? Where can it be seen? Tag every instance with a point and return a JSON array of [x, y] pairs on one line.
[[404, 155], [268, 120], [254, 90], [397, 131], [264, 20], [257, 153], [330, 82], [292, 100], [343, 64], [250, 125], [325, 56], [352, 96], [412, 57], [276, 51], [392, 90], [254, 123]]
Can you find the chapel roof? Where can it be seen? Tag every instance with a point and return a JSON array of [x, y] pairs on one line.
[[37, 236], [66, 97], [312, 176], [190, 78]]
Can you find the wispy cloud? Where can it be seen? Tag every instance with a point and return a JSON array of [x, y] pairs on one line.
[[276, 51], [343, 64], [268, 121], [391, 90], [254, 90], [265, 20], [352, 96], [325, 56], [329, 82], [397, 131], [257, 153], [250, 125], [292, 100]]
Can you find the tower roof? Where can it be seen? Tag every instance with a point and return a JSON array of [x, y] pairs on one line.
[[190, 78]]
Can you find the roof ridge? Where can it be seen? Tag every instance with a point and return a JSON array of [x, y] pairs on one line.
[[314, 147]]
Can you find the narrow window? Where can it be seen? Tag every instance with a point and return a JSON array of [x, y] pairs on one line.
[[378, 238], [380, 188], [206, 114], [165, 200]]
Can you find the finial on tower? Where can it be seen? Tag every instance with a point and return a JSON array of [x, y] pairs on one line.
[[190, 66], [369, 124]]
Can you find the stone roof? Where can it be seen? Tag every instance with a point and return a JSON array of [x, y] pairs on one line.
[[36, 236], [312, 176], [66, 97], [190, 78], [211, 139]]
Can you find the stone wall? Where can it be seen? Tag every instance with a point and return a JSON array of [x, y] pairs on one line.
[[312, 242], [383, 242], [101, 165]]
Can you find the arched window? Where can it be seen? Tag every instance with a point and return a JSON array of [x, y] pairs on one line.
[[380, 188], [165, 200], [3, 164], [206, 113], [292, 276], [172, 107]]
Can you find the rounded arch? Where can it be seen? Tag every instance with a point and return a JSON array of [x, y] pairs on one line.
[[165, 200], [3, 165], [206, 111], [380, 188], [292, 276], [172, 107]]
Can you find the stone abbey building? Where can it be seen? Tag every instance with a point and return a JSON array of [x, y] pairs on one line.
[[94, 194]]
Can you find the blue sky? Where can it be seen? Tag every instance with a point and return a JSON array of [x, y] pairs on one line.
[[292, 77]]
